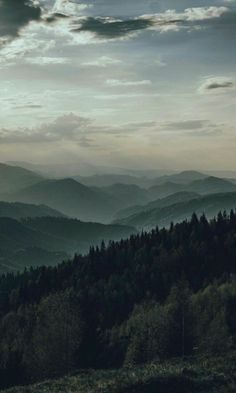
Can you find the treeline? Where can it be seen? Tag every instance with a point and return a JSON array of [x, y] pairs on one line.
[[157, 295]]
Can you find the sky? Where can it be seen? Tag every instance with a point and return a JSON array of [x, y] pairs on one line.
[[129, 83]]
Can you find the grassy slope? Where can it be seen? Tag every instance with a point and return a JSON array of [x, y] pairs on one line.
[[217, 375]]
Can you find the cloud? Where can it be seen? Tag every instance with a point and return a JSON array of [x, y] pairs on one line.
[[65, 7], [216, 83], [67, 127], [14, 15], [126, 83], [86, 132], [186, 125], [28, 106], [196, 127], [45, 60], [103, 61], [193, 127], [110, 28]]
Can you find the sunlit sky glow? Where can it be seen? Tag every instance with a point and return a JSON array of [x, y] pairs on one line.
[[125, 83]]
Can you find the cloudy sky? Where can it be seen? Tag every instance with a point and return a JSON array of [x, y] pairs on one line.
[[129, 83]]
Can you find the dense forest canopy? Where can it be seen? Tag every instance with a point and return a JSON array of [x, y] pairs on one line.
[[170, 292]]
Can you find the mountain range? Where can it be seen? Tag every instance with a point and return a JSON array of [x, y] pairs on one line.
[[48, 240], [19, 210], [210, 205], [44, 220]]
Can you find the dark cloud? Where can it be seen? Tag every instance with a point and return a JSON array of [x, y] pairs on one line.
[[107, 28], [55, 17], [15, 14], [170, 20], [216, 83], [219, 85]]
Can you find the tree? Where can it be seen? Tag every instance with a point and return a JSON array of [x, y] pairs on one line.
[[57, 336]]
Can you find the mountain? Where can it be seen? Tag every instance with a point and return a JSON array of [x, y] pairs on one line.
[[207, 185], [107, 180], [211, 185], [152, 313], [181, 178], [48, 240], [125, 195], [70, 197], [165, 189], [19, 210], [14, 178], [209, 204], [159, 203], [76, 235]]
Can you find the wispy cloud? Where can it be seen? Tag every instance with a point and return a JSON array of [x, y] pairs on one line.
[[103, 61], [216, 84], [127, 83]]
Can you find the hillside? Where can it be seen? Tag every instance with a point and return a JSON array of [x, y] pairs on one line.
[[159, 203], [165, 189], [211, 185], [77, 235], [14, 178], [69, 197], [48, 240], [209, 204], [184, 177], [207, 185], [203, 375], [19, 210], [108, 180], [156, 311], [125, 195]]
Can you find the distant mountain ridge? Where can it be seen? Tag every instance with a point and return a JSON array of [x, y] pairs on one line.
[[54, 238], [208, 204], [68, 196], [103, 203], [183, 177], [13, 178], [206, 185], [172, 199], [19, 210]]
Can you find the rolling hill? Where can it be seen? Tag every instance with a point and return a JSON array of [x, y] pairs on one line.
[[108, 180], [159, 203], [70, 197], [125, 195], [19, 210], [14, 178], [181, 178], [48, 240], [209, 204], [207, 185], [165, 189], [211, 185]]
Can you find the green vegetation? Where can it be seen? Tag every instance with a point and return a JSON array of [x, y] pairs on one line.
[[192, 375], [149, 299], [21, 210], [149, 216], [170, 200], [47, 240]]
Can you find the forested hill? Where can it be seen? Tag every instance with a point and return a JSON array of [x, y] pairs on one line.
[[123, 304]]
